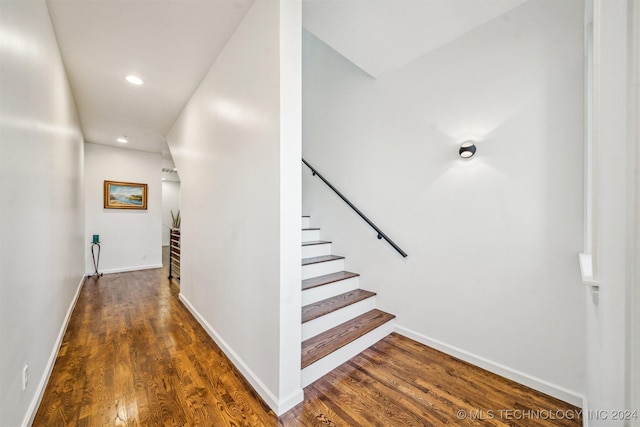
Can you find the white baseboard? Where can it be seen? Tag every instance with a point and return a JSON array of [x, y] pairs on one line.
[[127, 269], [37, 398], [538, 384], [289, 402], [278, 406]]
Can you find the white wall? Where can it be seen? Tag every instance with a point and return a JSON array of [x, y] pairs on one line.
[[290, 33], [634, 68], [42, 206], [170, 203], [235, 145], [492, 274], [613, 375], [130, 239]]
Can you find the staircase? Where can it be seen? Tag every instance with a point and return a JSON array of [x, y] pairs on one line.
[[339, 320]]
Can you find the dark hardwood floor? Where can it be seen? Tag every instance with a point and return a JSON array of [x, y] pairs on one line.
[[134, 356], [399, 382]]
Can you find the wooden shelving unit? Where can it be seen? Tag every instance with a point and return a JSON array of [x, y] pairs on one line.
[[174, 255]]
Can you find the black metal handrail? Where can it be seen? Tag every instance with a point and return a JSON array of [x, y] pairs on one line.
[[381, 235]]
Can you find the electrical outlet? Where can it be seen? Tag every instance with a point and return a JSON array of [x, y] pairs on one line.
[[25, 377]]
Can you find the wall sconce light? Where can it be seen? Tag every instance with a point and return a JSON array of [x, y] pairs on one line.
[[467, 150]]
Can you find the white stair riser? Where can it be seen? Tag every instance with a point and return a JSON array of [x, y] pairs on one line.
[[335, 318], [328, 363], [322, 268], [316, 250], [306, 221], [310, 235], [309, 296]]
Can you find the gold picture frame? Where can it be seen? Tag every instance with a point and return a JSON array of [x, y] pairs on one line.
[[125, 195]]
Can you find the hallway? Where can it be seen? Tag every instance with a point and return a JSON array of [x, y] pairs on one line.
[[133, 355], [523, 260]]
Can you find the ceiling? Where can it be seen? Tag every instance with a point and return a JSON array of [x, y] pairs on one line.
[[171, 44], [381, 36]]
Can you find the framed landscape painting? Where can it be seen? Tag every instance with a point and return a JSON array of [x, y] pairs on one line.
[[125, 195]]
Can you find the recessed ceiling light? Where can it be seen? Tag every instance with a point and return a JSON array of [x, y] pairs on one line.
[[134, 80], [122, 140]]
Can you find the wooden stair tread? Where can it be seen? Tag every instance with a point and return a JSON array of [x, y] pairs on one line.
[[315, 348], [329, 305], [315, 242], [313, 282], [318, 259]]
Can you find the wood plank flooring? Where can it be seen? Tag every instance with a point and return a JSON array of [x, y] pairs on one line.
[[399, 382], [134, 356]]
